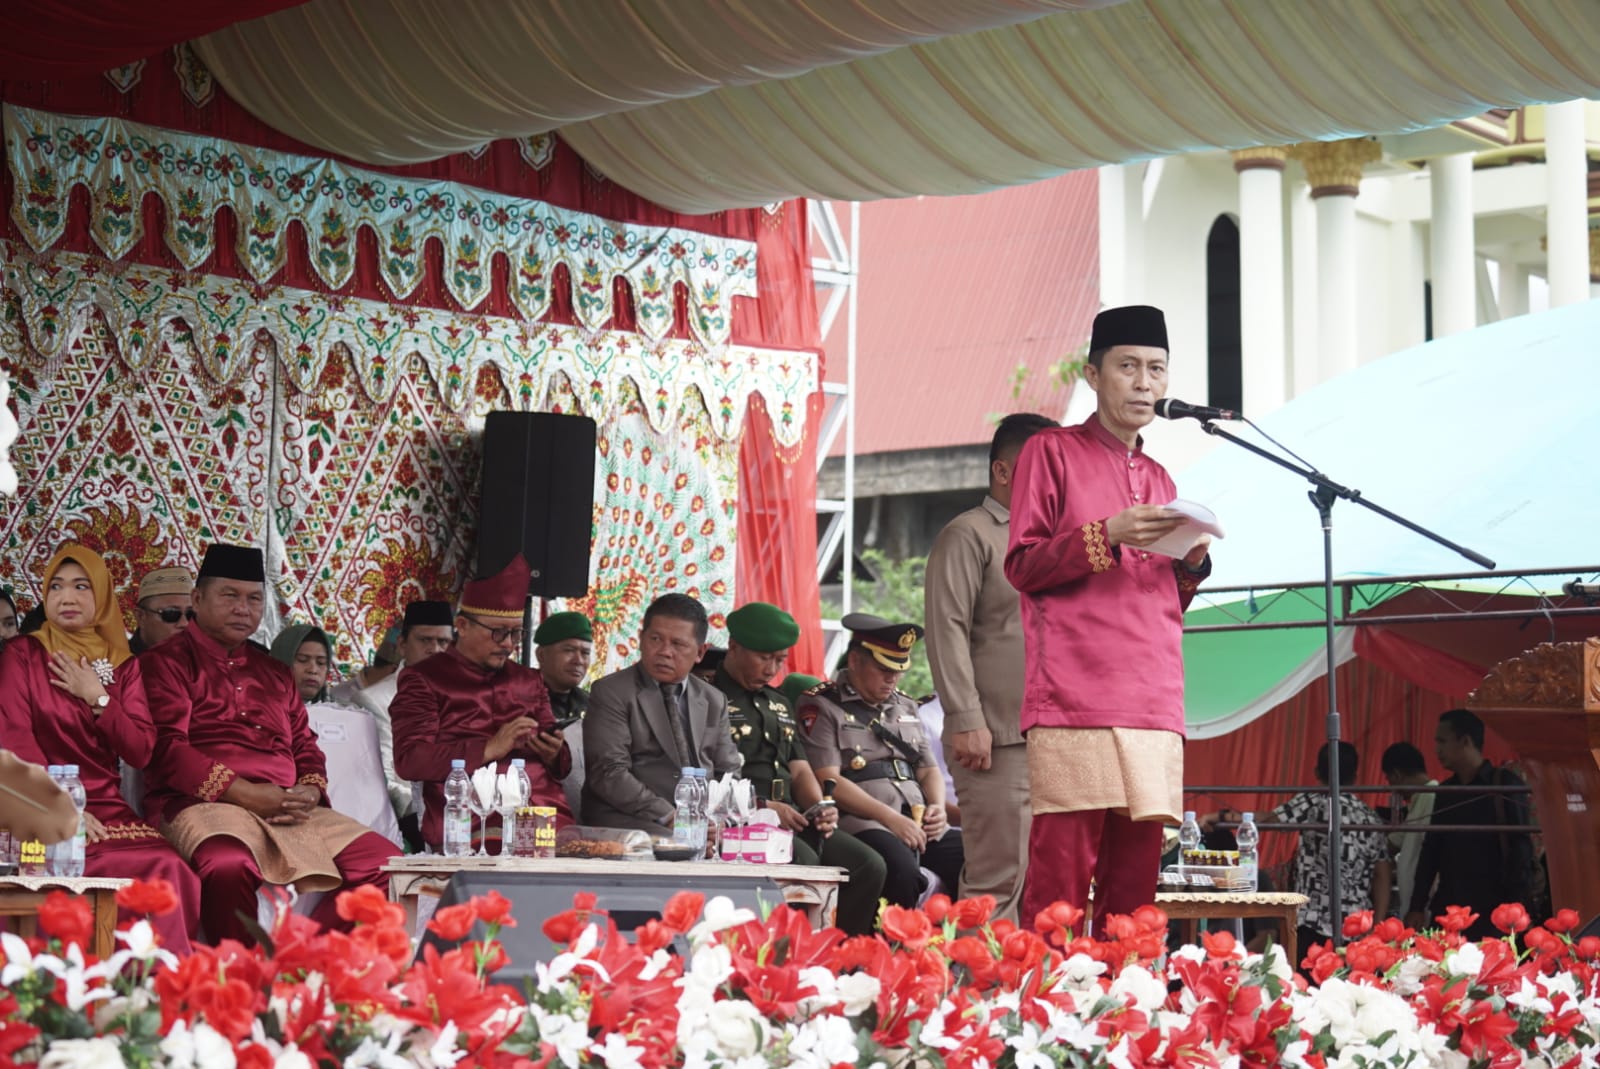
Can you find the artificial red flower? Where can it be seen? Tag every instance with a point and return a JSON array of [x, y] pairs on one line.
[[1457, 919], [682, 910], [368, 905], [973, 912], [67, 918], [152, 898], [254, 1056], [1588, 947], [452, 923], [1510, 917], [937, 907], [909, 927], [1358, 924], [494, 908], [1220, 944], [1564, 921], [1321, 961]]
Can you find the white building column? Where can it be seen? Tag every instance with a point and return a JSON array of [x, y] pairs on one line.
[[1452, 253], [1333, 169], [1122, 234], [1261, 276], [1513, 296], [1567, 209]]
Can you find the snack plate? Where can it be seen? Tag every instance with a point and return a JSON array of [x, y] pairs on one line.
[[1223, 877]]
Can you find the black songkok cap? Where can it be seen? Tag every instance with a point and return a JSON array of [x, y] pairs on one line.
[[243, 563], [1133, 324], [428, 614]]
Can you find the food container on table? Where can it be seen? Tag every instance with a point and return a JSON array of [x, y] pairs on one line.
[[603, 844], [672, 850]]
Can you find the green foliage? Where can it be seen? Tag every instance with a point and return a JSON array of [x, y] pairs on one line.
[[897, 597], [1047, 394]]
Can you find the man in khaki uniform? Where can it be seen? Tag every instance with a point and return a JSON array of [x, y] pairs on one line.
[[974, 634], [860, 730]]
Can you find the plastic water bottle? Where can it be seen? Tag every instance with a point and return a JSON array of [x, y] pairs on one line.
[[684, 798], [55, 855], [457, 813], [1188, 838], [75, 849], [1249, 837], [508, 811], [702, 810]]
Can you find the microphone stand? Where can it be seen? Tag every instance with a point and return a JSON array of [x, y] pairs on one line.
[[1323, 495]]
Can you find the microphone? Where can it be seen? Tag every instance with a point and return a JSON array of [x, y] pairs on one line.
[[1167, 408], [1578, 589]]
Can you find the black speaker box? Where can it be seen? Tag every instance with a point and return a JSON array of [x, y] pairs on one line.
[[538, 498]]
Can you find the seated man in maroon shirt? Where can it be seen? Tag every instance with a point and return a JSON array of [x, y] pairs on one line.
[[473, 703], [238, 783]]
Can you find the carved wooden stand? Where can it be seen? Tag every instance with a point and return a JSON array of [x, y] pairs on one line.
[[1546, 704]]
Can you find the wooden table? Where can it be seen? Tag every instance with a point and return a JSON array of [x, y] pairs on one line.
[[1280, 906], [812, 888], [21, 897]]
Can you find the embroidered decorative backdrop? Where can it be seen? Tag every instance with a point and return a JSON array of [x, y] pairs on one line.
[[360, 483], [120, 162]]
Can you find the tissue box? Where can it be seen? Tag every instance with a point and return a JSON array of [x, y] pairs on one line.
[[760, 843]]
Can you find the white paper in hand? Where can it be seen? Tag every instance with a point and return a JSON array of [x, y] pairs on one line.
[[1200, 520]]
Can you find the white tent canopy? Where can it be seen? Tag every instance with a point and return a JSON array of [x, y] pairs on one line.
[[701, 105]]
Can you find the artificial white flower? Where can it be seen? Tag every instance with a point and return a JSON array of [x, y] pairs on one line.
[[292, 1057], [372, 1054], [1136, 982], [97, 1053], [1407, 979], [139, 944], [653, 967], [201, 1047], [709, 968], [444, 1052], [1464, 960], [859, 992], [933, 1028], [738, 1028], [825, 990], [720, 913], [1079, 973], [823, 1042], [1032, 1047], [570, 961], [1529, 997], [568, 1035], [617, 1052]]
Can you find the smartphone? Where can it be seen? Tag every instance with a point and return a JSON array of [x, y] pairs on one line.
[[563, 724]]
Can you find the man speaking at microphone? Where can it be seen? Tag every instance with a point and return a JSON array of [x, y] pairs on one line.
[[1102, 618]]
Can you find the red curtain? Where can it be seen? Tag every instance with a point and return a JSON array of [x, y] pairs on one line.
[[777, 517], [1377, 707], [1417, 662], [63, 38]]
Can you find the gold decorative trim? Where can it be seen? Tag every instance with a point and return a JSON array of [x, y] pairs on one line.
[[131, 830], [1261, 158], [1188, 582], [1334, 167], [217, 781], [313, 779], [1096, 546]]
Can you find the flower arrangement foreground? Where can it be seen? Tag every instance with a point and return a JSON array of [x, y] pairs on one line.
[[944, 987]]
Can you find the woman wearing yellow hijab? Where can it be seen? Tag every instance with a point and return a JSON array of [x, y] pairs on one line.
[[71, 693]]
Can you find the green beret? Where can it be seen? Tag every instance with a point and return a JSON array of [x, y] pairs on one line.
[[795, 684], [763, 628], [562, 626]]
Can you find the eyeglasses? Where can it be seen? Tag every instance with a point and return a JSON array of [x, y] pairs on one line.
[[172, 616], [497, 635]]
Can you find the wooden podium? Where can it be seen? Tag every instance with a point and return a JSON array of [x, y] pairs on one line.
[[1546, 704]]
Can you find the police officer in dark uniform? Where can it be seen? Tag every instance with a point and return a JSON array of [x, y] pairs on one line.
[[762, 722], [859, 729], [563, 648]]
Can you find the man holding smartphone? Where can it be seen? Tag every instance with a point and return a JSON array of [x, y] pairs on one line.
[[475, 703]]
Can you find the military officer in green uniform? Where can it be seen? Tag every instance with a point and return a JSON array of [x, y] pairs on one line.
[[859, 729], [563, 647], [762, 722]]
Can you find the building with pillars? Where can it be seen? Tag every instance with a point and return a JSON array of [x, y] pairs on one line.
[[1279, 267], [1283, 266]]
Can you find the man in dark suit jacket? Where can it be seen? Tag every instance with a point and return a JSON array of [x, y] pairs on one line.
[[646, 723]]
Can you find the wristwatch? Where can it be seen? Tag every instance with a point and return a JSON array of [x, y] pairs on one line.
[[102, 701]]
